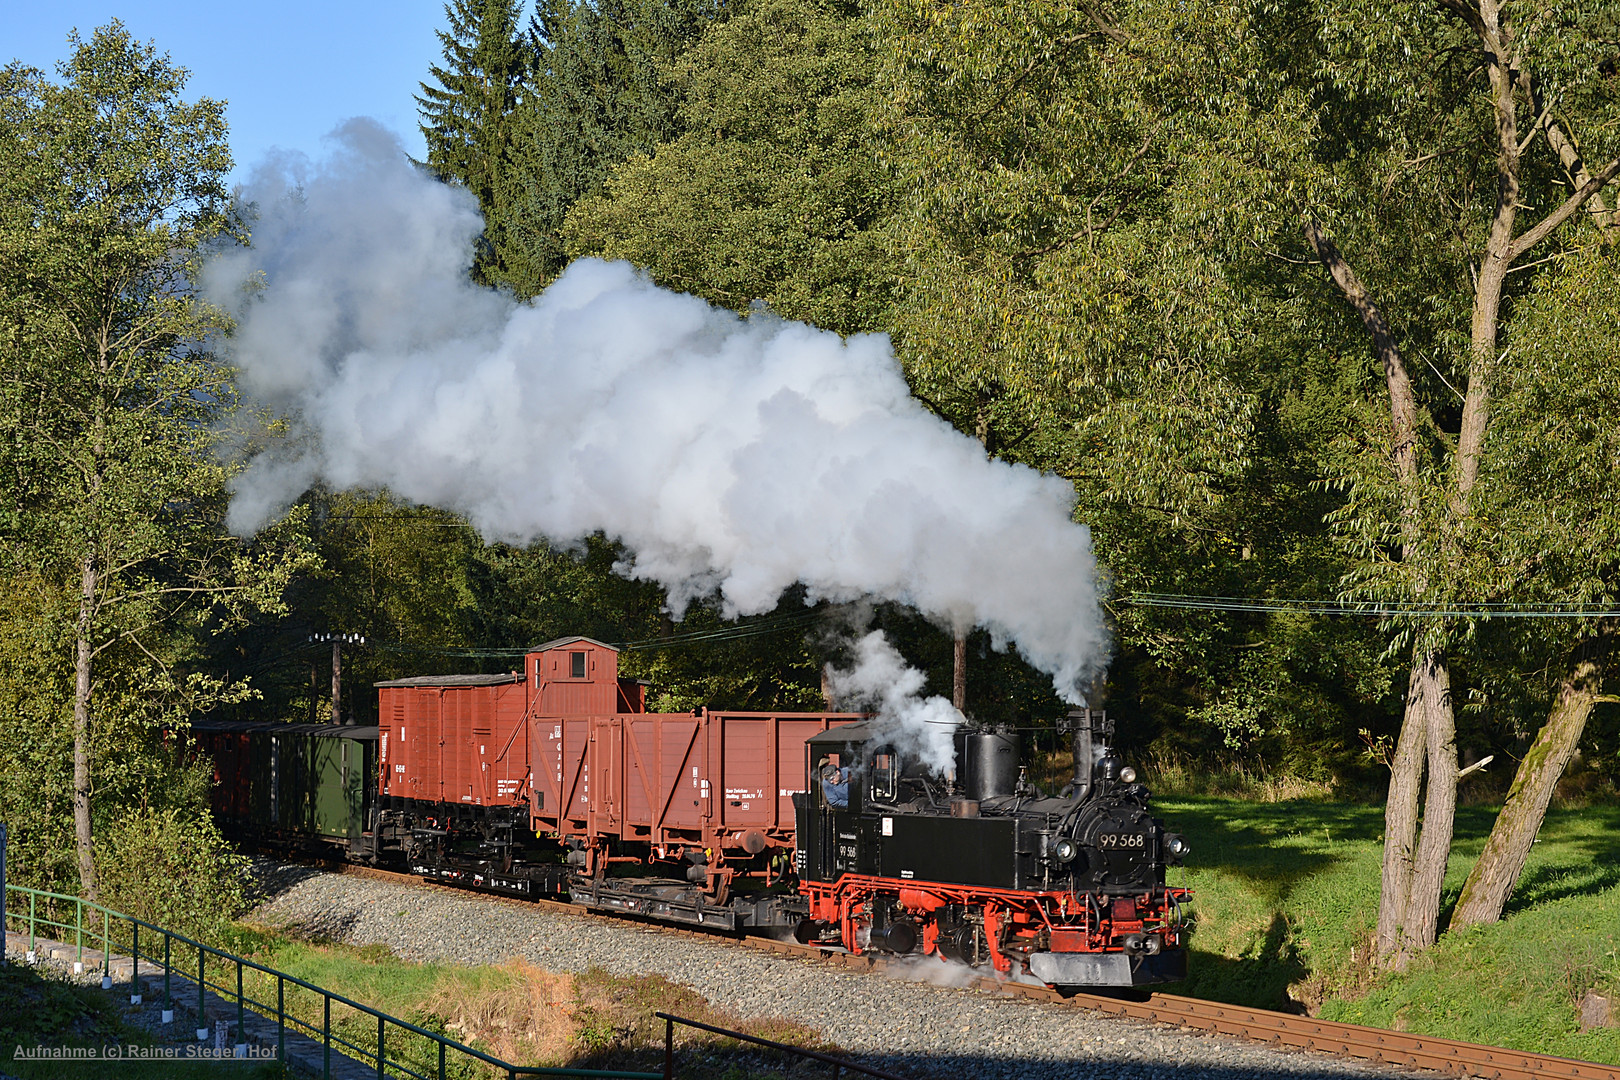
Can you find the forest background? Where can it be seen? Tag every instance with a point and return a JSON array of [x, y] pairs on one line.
[[1315, 305]]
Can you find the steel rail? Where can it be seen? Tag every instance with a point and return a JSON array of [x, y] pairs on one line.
[[1353, 1040], [1399, 1048]]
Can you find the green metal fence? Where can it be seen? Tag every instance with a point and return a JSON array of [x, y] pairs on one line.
[[402, 1049]]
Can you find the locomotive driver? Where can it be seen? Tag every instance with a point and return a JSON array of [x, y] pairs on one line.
[[835, 784]]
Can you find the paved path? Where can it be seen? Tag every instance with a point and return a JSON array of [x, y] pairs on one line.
[[255, 1035]]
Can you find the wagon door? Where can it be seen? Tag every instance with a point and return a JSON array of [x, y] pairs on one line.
[[743, 752], [644, 798], [508, 759], [562, 777], [607, 765], [682, 776]]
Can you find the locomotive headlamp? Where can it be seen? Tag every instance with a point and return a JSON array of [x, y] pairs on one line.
[[1065, 850], [1175, 847], [1128, 775]]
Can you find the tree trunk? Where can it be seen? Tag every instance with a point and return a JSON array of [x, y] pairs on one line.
[[1421, 925], [82, 657], [959, 672], [1497, 872], [1401, 816]]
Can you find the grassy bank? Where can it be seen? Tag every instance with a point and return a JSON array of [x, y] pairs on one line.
[[521, 1013], [1287, 898]]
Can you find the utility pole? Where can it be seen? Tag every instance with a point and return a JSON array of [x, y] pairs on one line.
[[338, 641], [959, 671]]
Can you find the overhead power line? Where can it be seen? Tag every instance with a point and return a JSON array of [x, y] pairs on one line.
[[734, 632], [1410, 609]]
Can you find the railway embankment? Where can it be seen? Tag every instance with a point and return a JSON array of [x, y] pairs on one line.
[[911, 1027], [56, 1021]]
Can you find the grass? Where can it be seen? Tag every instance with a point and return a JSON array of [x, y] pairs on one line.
[[1286, 903], [39, 1010], [521, 1013]]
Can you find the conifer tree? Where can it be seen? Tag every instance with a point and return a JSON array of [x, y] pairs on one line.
[[602, 90], [466, 110]]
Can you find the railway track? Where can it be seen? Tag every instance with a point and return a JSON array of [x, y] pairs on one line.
[[1260, 1025]]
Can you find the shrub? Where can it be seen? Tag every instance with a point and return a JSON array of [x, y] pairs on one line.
[[174, 870]]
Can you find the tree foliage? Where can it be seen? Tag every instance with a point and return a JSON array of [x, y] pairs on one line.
[[599, 91], [467, 109], [775, 190], [111, 184]]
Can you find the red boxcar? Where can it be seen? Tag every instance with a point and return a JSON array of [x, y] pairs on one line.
[[455, 739]]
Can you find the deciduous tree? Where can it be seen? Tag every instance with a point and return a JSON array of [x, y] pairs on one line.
[[1471, 141], [776, 189], [110, 185]]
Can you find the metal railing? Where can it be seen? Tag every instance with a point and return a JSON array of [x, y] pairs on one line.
[[840, 1066], [441, 1051]]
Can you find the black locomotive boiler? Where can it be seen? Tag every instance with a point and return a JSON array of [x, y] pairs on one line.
[[987, 871]]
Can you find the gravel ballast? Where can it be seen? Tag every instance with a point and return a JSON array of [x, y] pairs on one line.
[[910, 1027]]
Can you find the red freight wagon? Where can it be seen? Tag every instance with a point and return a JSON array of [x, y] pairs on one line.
[[455, 739], [719, 781], [566, 750]]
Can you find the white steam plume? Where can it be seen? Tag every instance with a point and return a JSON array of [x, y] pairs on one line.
[[729, 454], [881, 681]]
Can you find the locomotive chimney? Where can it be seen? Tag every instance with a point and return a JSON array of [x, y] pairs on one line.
[[1091, 727]]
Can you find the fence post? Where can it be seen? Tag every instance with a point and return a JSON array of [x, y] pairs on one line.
[[241, 1032], [168, 1002], [441, 1059], [326, 1036], [379, 1047], [669, 1048], [281, 1020], [135, 963], [202, 997], [78, 936], [106, 951], [31, 898]]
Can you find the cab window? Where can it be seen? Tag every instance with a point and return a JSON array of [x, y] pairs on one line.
[[884, 772]]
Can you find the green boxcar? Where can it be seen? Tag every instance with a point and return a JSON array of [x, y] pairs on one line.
[[292, 782]]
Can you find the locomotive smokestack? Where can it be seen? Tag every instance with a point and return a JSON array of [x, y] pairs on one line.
[[1091, 727], [1080, 721]]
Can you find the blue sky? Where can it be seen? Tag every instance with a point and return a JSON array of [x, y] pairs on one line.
[[289, 72]]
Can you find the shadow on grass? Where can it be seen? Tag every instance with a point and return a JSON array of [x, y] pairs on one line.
[[1260, 980], [1588, 862], [1262, 842]]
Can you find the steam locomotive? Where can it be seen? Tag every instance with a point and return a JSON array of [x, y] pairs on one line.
[[556, 781]]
